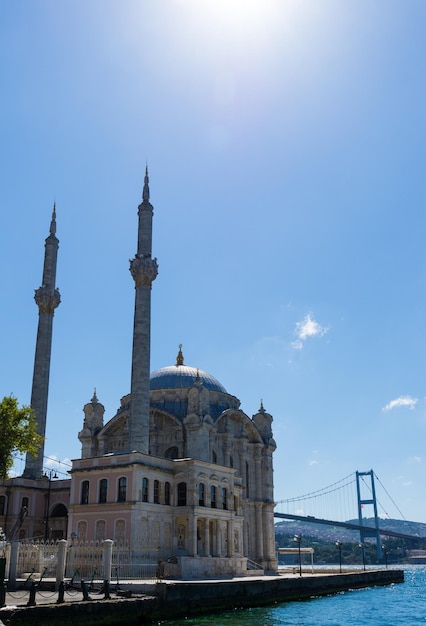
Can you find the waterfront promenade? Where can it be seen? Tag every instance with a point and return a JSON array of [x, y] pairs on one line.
[[174, 598]]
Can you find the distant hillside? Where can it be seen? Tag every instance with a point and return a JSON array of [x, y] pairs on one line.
[[334, 533]]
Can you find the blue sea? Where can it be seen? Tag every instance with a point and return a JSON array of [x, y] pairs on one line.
[[396, 605]]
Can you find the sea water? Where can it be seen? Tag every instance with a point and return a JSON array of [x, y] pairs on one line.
[[395, 605]]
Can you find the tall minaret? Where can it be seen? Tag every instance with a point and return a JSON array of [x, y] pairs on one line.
[[47, 299], [144, 270]]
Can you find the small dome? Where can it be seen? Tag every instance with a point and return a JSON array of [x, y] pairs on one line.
[[183, 377]]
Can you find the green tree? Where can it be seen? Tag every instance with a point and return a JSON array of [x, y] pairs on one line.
[[18, 433]]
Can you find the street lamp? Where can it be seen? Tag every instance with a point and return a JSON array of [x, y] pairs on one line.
[[385, 552], [298, 540], [50, 476], [361, 545], [339, 547]]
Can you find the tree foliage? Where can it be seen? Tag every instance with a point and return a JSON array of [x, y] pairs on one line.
[[18, 433]]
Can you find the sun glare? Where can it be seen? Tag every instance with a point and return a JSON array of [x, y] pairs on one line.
[[239, 17]]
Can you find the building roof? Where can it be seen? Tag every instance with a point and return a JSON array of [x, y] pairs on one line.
[[183, 377]]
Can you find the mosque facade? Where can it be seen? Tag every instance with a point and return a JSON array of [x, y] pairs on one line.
[[179, 468]]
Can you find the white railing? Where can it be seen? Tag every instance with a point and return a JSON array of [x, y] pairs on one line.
[[87, 561]]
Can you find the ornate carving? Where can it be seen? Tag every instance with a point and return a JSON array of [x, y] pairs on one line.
[[46, 300], [144, 269]]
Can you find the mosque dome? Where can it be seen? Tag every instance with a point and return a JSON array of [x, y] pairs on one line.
[[172, 390], [183, 377]]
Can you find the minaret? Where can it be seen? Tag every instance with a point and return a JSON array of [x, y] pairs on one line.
[[47, 299], [144, 270]]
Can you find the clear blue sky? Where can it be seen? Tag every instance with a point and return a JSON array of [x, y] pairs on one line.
[[286, 149]]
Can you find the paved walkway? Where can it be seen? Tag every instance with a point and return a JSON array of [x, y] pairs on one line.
[[47, 595], [135, 589]]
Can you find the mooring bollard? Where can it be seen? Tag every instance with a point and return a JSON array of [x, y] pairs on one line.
[[32, 598], [106, 590], [61, 593], [85, 591]]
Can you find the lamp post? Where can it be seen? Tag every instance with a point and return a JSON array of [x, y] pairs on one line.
[[385, 552], [339, 547], [50, 476], [298, 540], [361, 545]]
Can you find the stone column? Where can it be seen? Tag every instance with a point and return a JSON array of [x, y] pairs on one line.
[[144, 270], [219, 540], [245, 550], [192, 539], [269, 542], [258, 474], [213, 538], [47, 299], [259, 533], [231, 546], [207, 548]]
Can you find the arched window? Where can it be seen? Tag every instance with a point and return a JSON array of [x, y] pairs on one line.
[[224, 498], [103, 490], [181, 494], [167, 493], [144, 489], [84, 498], [201, 494], [213, 497], [172, 453], [25, 503], [82, 531], [100, 530], [156, 491], [120, 530], [122, 489], [214, 457], [59, 510], [231, 461], [2, 504]]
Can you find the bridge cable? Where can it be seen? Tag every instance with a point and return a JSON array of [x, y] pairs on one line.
[[390, 497], [316, 494]]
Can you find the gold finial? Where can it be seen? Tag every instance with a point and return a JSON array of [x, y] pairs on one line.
[[179, 359], [95, 397], [261, 410]]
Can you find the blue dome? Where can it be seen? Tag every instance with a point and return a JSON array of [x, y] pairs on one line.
[[183, 377]]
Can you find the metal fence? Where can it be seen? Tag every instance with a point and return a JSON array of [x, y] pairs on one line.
[[86, 561]]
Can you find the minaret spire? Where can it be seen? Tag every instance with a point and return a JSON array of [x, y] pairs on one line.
[[53, 221], [144, 271], [47, 299], [145, 192]]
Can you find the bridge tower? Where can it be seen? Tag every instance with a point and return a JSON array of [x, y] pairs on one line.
[[368, 531]]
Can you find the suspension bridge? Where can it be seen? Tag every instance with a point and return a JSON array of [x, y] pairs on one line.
[[356, 500]]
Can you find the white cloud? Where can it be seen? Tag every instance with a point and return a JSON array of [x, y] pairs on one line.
[[307, 328], [414, 459], [313, 462], [401, 401]]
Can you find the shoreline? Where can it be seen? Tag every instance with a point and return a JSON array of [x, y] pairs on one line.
[[178, 599]]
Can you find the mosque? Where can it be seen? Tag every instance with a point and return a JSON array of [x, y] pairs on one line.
[[180, 467]]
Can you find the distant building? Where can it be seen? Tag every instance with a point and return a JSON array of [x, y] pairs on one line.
[[179, 467]]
